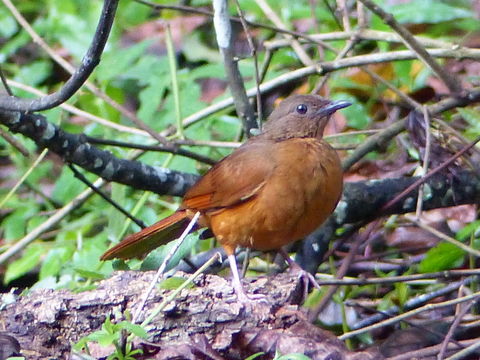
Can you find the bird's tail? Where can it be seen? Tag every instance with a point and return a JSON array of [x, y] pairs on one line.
[[151, 237]]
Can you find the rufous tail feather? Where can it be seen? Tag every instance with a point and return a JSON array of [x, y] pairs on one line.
[[144, 241]]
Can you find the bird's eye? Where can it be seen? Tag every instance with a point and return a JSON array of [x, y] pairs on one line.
[[301, 109]]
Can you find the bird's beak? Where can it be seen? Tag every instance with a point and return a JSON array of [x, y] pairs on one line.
[[332, 107]]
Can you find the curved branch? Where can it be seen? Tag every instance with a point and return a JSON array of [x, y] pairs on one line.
[[89, 62]]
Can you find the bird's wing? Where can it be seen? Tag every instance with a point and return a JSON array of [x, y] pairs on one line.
[[235, 179]]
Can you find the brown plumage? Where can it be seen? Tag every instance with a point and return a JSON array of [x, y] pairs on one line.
[[275, 189]]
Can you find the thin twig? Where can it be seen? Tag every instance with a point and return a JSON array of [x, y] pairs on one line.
[[409, 100], [448, 78], [209, 143], [253, 51], [342, 6], [444, 237], [223, 30], [161, 148], [410, 304], [23, 177], [342, 271], [49, 223], [324, 279], [161, 306], [172, 62], [78, 78], [5, 83], [71, 70], [430, 351], [463, 354], [14, 142], [83, 114], [275, 19], [194, 10], [393, 320], [422, 180], [163, 266], [426, 159], [326, 67], [460, 313], [104, 196], [362, 34]]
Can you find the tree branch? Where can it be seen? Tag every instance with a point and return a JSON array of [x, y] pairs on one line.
[[410, 41], [224, 36], [76, 149], [89, 62]]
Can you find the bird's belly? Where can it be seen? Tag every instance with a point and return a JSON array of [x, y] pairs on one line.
[[293, 204]]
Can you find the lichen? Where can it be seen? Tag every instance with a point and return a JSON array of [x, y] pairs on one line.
[[108, 171], [341, 211], [97, 163], [49, 131]]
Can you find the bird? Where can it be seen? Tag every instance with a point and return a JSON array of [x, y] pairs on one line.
[[276, 188]]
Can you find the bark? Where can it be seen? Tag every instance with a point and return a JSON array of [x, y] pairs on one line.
[[205, 321]]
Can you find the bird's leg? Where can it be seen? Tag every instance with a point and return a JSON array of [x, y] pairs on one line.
[[306, 277], [237, 285]]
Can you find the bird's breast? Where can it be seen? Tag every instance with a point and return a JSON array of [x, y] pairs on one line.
[[298, 196]]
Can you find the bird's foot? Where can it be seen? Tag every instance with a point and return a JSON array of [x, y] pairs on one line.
[[242, 296], [296, 269], [305, 277]]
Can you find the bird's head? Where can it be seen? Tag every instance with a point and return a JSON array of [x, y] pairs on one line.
[[301, 116]]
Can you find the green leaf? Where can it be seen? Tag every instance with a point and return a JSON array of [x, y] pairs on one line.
[[29, 260], [34, 73], [150, 99], [356, 114], [156, 257], [13, 45], [8, 25], [202, 52], [66, 187], [116, 220], [293, 356], [173, 283], [105, 339], [402, 292], [148, 69], [135, 329], [14, 225], [116, 62], [254, 356], [54, 261], [444, 256], [428, 12], [90, 274], [468, 231], [472, 116]]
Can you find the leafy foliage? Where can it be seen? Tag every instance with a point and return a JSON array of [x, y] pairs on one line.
[[135, 72]]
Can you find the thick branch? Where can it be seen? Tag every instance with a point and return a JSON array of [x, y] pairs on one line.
[[362, 200], [75, 149], [206, 317]]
